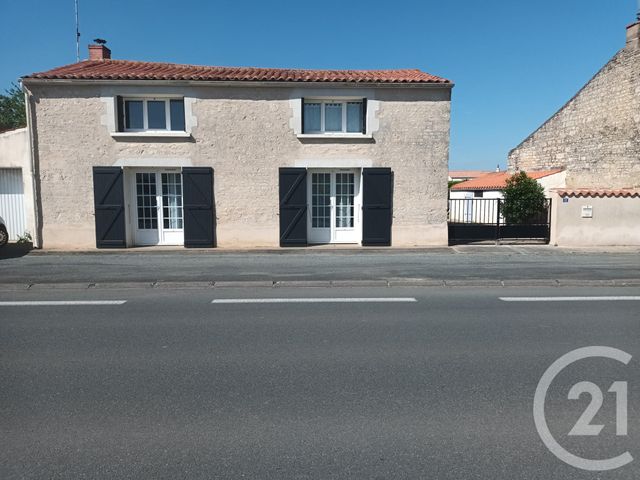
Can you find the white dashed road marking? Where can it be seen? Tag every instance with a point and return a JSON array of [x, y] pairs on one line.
[[48, 303], [570, 299], [315, 300]]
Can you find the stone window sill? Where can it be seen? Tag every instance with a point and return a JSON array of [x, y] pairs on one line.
[[164, 134], [332, 136]]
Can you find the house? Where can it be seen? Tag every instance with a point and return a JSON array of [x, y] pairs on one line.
[[464, 175], [490, 187], [138, 153], [595, 139], [17, 204]]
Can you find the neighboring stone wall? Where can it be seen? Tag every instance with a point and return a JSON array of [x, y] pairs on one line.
[[596, 136], [614, 222], [15, 152], [245, 135]]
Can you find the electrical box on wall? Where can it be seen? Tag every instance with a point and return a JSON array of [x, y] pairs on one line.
[[587, 211]]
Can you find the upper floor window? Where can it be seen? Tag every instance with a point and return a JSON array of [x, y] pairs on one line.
[[333, 116], [143, 114]]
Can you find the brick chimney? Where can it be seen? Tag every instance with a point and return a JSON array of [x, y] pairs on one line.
[[99, 52], [633, 36]]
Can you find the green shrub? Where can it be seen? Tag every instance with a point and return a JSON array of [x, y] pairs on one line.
[[523, 199]]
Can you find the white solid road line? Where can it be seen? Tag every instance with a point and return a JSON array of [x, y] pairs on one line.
[[316, 300], [570, 299], [50, 303]]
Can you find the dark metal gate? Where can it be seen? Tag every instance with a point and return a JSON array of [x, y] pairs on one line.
[[480, 220]]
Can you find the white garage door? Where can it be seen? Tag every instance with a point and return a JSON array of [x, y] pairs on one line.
[[12, 201]]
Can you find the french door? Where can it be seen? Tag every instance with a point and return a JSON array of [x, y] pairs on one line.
[[157, 215], [334, 206]]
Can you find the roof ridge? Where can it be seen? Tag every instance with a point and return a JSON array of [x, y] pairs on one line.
[[116, 69], [236, 67]]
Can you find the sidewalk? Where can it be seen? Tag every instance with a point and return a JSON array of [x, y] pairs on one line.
[[443, 266], [338, 249]]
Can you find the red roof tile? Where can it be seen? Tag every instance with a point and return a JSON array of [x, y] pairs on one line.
[[498, 180], [129, 70], [599, 193], [468, 173]]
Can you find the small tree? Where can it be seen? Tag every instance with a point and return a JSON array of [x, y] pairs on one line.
[[523, 199], [12, 110]]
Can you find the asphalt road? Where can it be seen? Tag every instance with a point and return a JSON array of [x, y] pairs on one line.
[[461, 263], [170, 385]]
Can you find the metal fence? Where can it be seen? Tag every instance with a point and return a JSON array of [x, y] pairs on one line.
[[475, 210], [481, 219]]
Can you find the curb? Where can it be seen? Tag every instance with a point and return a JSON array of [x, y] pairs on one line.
[[416, 282], [359, 283], [303, 283], [177, 285], [570, 282], [383, 283], [475, 282], [244, 284], [530, 283]]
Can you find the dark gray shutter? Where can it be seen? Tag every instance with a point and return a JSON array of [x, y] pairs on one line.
[[364, 116], [302, 114], [376, 206], [120, 113], [293, 207], [198, 206], [108, 197]]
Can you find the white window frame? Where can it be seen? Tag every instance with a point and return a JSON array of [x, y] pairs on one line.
[[343, 102], [145, 113]]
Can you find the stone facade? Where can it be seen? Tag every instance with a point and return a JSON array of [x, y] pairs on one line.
[[596, 135], [244, 133]]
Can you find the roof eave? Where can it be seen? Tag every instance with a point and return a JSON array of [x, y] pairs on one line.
[[477, 189], [30, 80]]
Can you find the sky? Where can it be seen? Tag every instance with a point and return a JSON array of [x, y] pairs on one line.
[[514, 62]]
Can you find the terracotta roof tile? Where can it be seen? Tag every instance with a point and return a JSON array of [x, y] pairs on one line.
[[498, 180], [599, 193], [468, 173], [130, 70]]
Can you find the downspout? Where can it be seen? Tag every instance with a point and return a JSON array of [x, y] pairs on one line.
[[37, 234]]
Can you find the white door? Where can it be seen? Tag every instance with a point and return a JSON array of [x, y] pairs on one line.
[[468, 207], [157, 214], [172, 230], [319, 230], [334, 206], [12, 208]]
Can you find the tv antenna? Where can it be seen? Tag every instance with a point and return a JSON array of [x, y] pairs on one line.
[[78, 33]]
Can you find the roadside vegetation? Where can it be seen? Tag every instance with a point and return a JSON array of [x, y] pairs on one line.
[[523, 199], [12, 109]]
